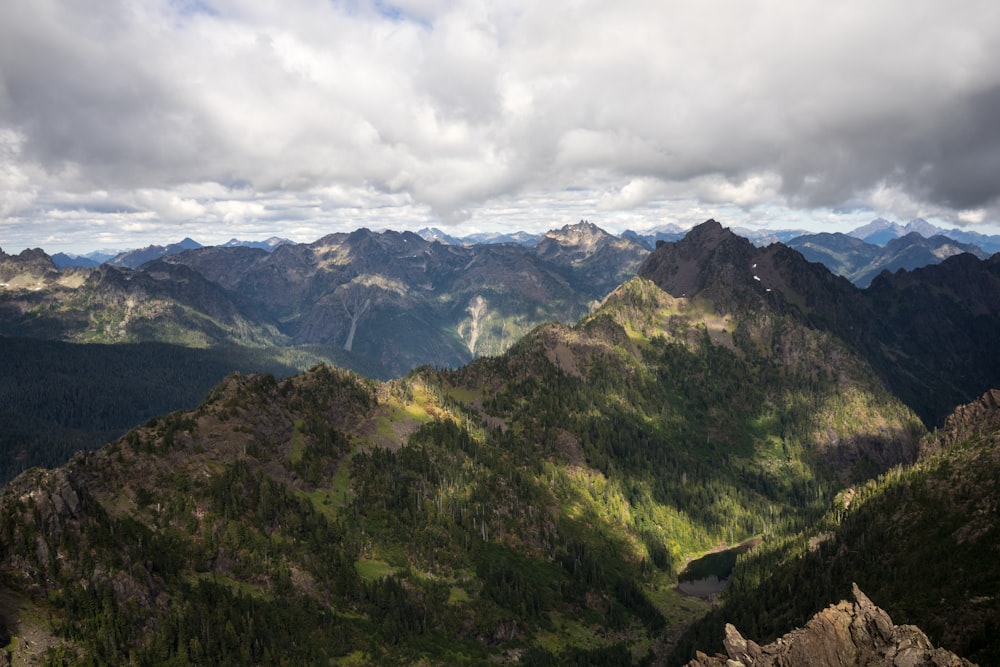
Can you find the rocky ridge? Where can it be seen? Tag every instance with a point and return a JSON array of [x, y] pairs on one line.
[[973, 420], [845, 634]]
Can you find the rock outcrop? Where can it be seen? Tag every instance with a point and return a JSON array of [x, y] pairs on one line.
[[973, 420], [842, 635]]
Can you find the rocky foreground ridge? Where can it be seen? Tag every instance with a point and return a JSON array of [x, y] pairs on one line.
[[844, 634]]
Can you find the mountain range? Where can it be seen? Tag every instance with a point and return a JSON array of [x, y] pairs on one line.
[[878, 232], [385, 303], [389, 301], [860, 261], [534, 505]]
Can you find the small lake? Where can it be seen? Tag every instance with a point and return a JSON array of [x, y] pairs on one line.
[[708, 575]]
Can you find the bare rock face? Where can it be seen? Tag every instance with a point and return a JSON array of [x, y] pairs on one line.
[[842, 635], [967, 421]]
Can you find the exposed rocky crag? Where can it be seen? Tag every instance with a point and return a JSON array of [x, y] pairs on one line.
[[973, 420], [845, 634]]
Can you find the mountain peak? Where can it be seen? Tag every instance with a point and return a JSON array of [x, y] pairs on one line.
[[27, 270], [711, 232], [922, 227], [33, 255], [576, 233], [848, 633], [873, 227], [708, 253], [582, 238]]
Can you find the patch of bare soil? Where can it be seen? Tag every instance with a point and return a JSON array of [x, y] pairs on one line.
[[29, 629]]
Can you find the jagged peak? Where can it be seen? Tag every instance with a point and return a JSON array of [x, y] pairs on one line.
[[845, 634], [34, 254], [711, 229], [577, 231], [707, 252], [875, 226], [360, 233]]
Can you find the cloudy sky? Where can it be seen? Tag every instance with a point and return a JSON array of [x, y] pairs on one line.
[[129, 122]]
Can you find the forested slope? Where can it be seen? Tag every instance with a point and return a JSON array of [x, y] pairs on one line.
[[537, 505], [59, 398]]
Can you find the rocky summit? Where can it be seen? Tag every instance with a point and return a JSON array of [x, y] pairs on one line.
[[844, 634]]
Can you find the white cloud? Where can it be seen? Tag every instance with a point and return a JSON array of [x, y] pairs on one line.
[[16, 190], [636, 192], [168, 206], [972, 217], [451, 111]]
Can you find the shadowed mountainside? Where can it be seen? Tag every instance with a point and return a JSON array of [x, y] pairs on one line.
[[930, 332]]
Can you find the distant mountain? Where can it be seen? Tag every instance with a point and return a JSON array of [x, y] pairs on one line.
[[435, 234], [392, 301], [61, 261], [133, 259], [672, 233], [649, 238], [89, 261], [989, 243], [592, 255], [860, 262], [31, 269], [520, 238], [841, 253], [912, 251], [101, 256], [881, 231], [162, 302], [763, 237], [267, 244]]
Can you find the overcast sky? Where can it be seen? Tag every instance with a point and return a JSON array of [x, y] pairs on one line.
[[129, 122]]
